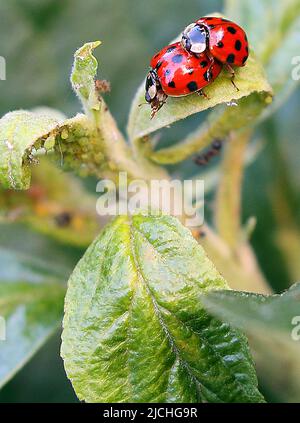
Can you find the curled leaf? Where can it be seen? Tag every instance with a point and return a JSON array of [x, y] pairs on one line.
[[23, 134], [20, 132], [83, 76]]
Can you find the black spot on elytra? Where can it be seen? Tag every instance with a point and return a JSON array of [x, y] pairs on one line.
[[172, 84], [230, 58], [204, 63], [238, 45], [231, 30], [220, 44], [245, 59], [170, 49], [177, 58], [209, 19], [192, 86]]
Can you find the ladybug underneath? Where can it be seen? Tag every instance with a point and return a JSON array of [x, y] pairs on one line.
[[176, 73], [222, 39]]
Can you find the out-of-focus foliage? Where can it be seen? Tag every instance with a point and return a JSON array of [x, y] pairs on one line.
[[51, 206], [272, 326], [272, 185], [32, 274]]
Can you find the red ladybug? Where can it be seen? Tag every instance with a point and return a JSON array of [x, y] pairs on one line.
[[224, 40], [176, 73]]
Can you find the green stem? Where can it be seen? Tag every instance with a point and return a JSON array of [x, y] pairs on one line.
[[228, 204]]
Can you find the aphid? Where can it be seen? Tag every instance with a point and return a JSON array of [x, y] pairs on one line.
[[63, 219], [176, 73], [102, 86], [222, 39], [205, 158]]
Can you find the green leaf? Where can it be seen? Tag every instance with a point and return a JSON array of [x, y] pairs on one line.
[[269, 323], [32, 269], [83, 76], [19, 131], [134, 326], [250, 79], [23, 134], [117, 154]]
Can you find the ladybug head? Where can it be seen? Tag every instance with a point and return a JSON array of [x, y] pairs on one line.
[[154, 94], [151, 86], [194, 38]]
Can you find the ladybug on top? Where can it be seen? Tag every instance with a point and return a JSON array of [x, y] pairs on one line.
[[224, 40], [196, 61]]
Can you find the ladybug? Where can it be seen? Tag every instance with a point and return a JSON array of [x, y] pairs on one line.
[[222, 39], [177, 73]]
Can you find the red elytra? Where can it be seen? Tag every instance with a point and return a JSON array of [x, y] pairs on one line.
[[181, 73], [225, 40]]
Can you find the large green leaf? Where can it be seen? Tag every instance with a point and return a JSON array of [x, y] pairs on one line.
[[271, 325], [134, 326], [32, 272]]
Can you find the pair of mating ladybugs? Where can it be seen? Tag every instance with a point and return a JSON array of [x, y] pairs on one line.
[[196, 61]]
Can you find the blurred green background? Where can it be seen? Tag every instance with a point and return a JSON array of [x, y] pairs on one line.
[[38, 40]]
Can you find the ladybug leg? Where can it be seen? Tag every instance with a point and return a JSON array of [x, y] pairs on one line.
[[158, 102], [232, 73], [202, 93]]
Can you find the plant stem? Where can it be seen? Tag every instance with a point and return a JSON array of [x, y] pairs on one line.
[[228, 203]]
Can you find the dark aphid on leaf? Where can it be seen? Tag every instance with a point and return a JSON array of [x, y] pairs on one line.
[[177, 73], [63, 219], [214, 151], [223, 40]]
